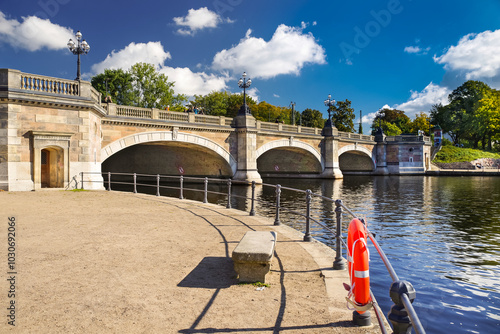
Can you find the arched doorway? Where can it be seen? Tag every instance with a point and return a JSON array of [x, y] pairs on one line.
[[52, 167]]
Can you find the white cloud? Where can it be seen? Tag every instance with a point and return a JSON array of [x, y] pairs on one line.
[[478, 55], [151, 53], [34, 33], [368, 119], [198, 19], [191, 83], [254, 94], [276, 95], [417, 50], [423, 101], [186, 81], [288, 51]]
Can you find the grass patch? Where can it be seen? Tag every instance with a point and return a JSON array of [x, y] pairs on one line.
[[449, 154], [77, 190], [256, 284]]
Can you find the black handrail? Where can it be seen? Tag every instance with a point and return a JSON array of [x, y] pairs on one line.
[[402, 292]]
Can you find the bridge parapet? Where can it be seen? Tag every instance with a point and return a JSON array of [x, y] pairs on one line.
[[355, 136], [14, 80], [408, 138]]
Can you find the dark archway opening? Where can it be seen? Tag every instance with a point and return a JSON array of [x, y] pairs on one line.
[[168, 158], [354, 162], [288, 162]]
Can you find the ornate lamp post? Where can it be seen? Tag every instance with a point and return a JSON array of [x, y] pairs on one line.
[[78, 49], [244, 83], [329, 103]]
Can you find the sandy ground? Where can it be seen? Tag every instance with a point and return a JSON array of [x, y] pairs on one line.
[[110, 262]]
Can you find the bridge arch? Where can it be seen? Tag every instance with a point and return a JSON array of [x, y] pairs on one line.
[[289, 143], [288, 157], [356, 158], [358, 148], [167, 136]]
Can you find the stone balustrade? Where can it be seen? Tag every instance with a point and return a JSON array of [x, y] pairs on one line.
[[14, 80]]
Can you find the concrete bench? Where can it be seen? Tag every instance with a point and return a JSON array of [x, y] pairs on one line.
[[252, 256]]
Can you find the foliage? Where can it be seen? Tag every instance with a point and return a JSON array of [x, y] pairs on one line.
[[450, 153], [117, 84], [221, 103], [392, 121], [214, 103], [446, 142], [421, 122], [140, 86], [343, 116], [312, 118], [152, 89], [269, 113], [256, 284], [488, 114], [471, 116]]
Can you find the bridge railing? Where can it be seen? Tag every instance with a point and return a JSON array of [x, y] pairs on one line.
[[402, 316], [35, 83], [349, 135], [407, 138]]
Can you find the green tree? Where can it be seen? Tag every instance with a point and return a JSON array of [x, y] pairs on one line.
[[394, 117], [117, 84], [152, 89], [343, 116], [312, 118], [235, 101], [214, 103], [459, 118], [421, 122], [488, 113]]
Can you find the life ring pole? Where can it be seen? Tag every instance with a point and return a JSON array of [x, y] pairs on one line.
[[405, 298]]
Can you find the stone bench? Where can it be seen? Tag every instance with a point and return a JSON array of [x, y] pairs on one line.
[[252, 256]]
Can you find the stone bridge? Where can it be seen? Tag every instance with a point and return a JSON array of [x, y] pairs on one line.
[[52, 129]]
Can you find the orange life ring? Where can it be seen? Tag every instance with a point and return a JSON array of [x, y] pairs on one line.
[[358, 264]]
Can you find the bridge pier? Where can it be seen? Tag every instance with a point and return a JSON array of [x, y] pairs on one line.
[[330, 153], [246, 137], [381, 153]]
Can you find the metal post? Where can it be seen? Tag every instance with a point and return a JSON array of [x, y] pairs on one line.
[[157, 184], [206, 191], [109, 181], [278, 199], [339, 263], [228, 206], [398, 316], [181, 195], [307, 236], [135, 183], [252, 210], [81, 173]]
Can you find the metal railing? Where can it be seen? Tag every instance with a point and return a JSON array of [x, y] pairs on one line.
[[402, 315]]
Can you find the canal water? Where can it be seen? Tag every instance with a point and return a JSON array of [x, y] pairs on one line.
[[442, 234]]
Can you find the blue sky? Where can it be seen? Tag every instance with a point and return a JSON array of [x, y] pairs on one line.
[[405, 54]]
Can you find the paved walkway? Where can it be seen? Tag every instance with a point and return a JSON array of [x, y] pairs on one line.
[[111, 262]]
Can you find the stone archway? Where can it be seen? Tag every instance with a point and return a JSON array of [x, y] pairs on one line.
[[50, 159], [155, 137]]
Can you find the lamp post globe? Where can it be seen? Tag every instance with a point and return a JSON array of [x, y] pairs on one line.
[[78, 48], [329, 102], [244, 83]]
